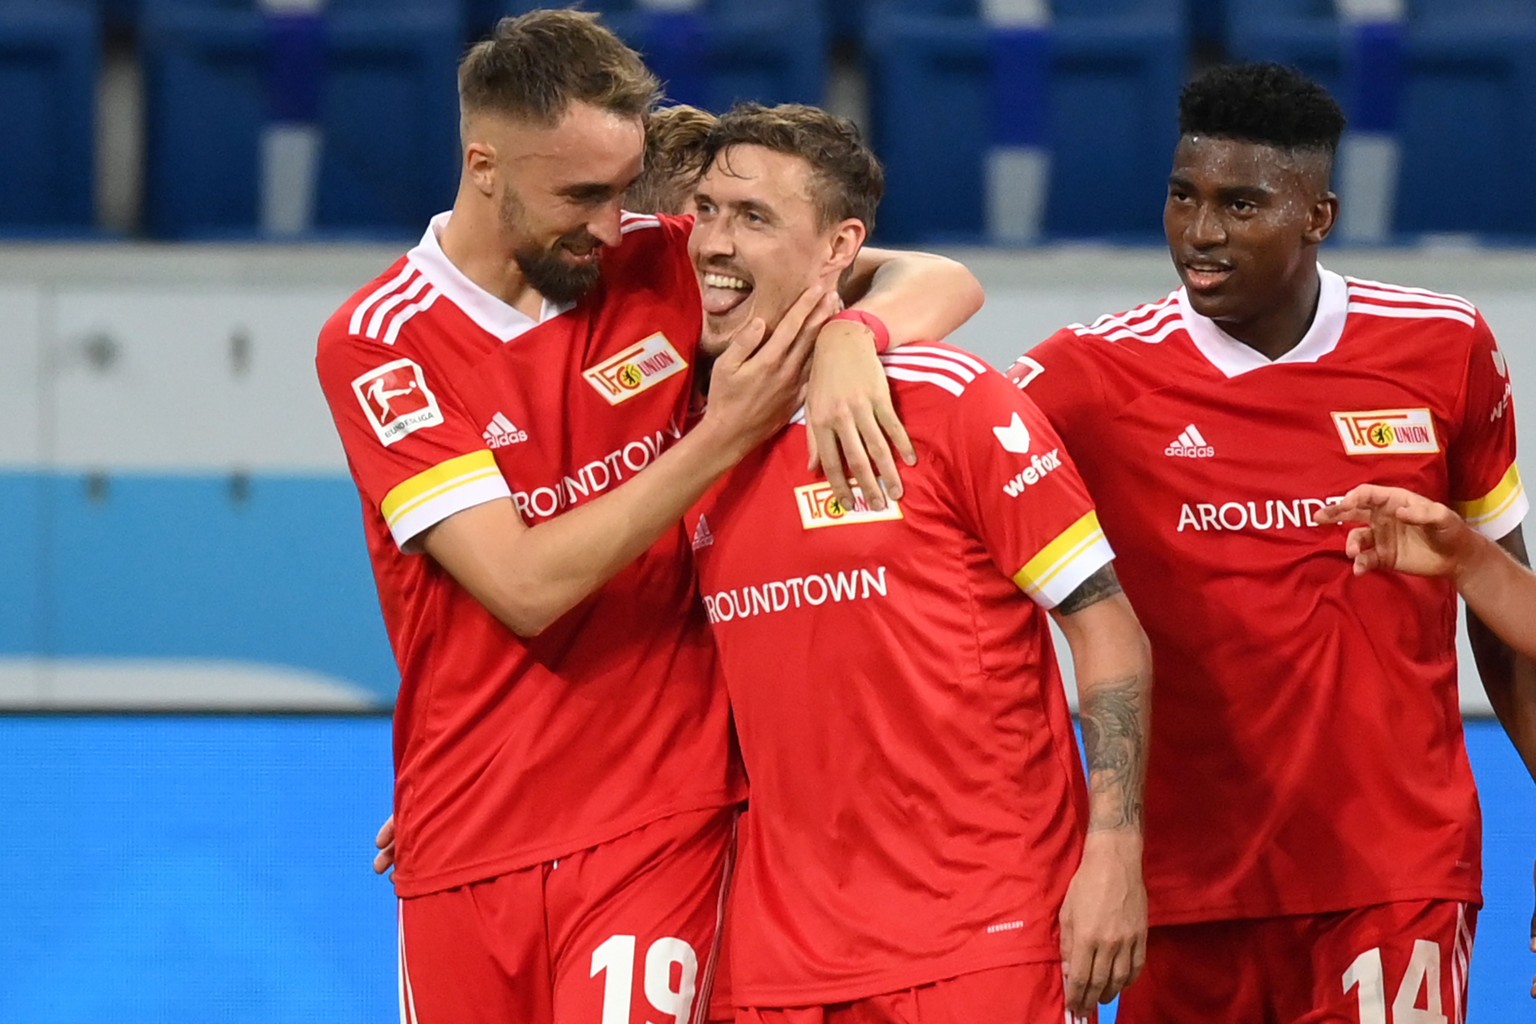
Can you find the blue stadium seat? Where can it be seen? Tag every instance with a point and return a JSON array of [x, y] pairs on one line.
[[722, 51], [48, 69], [1305, 34], [1453, 94], [118, 15], [383, 84], [1095, 90], [1469, 118]]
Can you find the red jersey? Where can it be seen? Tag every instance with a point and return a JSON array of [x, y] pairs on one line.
[[509, 752], [1306, 751], [917, 799]]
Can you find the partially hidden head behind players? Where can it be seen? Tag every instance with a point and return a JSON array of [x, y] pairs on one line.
[[676, 145], [787, 198], [552, 117], [1249, 201]]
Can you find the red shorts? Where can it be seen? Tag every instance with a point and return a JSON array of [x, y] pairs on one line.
[[623, 932], [1022, 994], [1365, 966]]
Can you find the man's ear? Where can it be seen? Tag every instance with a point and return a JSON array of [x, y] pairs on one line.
[[1321, 219], [480, 166], [846, 241]]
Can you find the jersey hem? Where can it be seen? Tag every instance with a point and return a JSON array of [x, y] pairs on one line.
[[410, 887], [868, 985], [1242, 911]]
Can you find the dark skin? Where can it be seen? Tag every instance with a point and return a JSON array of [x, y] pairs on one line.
[[1510, 680], [1244, 221]]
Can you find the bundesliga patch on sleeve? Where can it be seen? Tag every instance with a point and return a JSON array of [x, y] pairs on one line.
[[1387, 432], [819, 507], [637, 368], [397, 401]]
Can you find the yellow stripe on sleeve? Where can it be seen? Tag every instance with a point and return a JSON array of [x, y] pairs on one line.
[[1056, 556], [1496, 502], [437, 481]]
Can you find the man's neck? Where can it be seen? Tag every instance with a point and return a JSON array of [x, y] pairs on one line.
[[1282, 327], [472, 242]]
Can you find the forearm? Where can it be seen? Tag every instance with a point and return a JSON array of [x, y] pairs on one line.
[[1501, 624], [528, 577], [1114, 690], [1501, 593], [919, 296], [1114, 693]]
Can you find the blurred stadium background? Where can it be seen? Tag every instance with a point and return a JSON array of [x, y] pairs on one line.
[[195, 747]]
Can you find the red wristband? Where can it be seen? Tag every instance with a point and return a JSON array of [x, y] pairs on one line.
[[875, 324]]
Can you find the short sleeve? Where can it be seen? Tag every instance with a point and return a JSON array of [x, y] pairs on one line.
[[1484, 480], [1061, 383], [415, 453], [1020, 491]]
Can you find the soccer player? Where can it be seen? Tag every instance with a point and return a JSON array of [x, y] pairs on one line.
[[915, 848], [564, 796], [1313, 832]]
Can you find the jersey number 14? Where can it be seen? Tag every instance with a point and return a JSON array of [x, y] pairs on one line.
[[1420, 981]]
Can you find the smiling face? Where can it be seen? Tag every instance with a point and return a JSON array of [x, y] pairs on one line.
[[1243, 222], [558, 189], [758, 240]]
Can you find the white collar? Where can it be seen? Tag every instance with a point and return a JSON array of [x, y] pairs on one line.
[[1233, 358], [489, 312]]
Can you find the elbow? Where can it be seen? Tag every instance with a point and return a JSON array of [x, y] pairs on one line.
[[972, 294], [525, 615], [963, 286]]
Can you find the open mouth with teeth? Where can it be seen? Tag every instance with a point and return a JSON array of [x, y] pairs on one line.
[[723, 292]]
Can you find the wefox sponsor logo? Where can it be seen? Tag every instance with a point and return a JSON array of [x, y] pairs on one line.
[[596, 476], [637, 368], [812, 591], [1040, 466], [1237, 516]]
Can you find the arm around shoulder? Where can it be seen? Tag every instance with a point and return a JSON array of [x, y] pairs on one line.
[[920, 296]]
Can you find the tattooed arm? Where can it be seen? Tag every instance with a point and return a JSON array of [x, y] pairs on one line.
[[1104, 916]]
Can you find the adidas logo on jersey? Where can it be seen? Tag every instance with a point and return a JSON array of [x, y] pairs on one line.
[[703, 537], [1190, 444], [501, 432]]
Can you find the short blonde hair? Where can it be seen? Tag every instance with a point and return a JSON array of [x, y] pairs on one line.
[[676, 145]]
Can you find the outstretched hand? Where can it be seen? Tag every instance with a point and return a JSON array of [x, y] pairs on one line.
[[1404, 531]]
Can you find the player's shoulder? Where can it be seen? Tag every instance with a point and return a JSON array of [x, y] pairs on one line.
[[1148, 324], [379, 321], [937, 371], [644, 237], [1408, 308], [380, 309]]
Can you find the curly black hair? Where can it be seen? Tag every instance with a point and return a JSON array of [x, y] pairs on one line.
[[1266, 103]]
